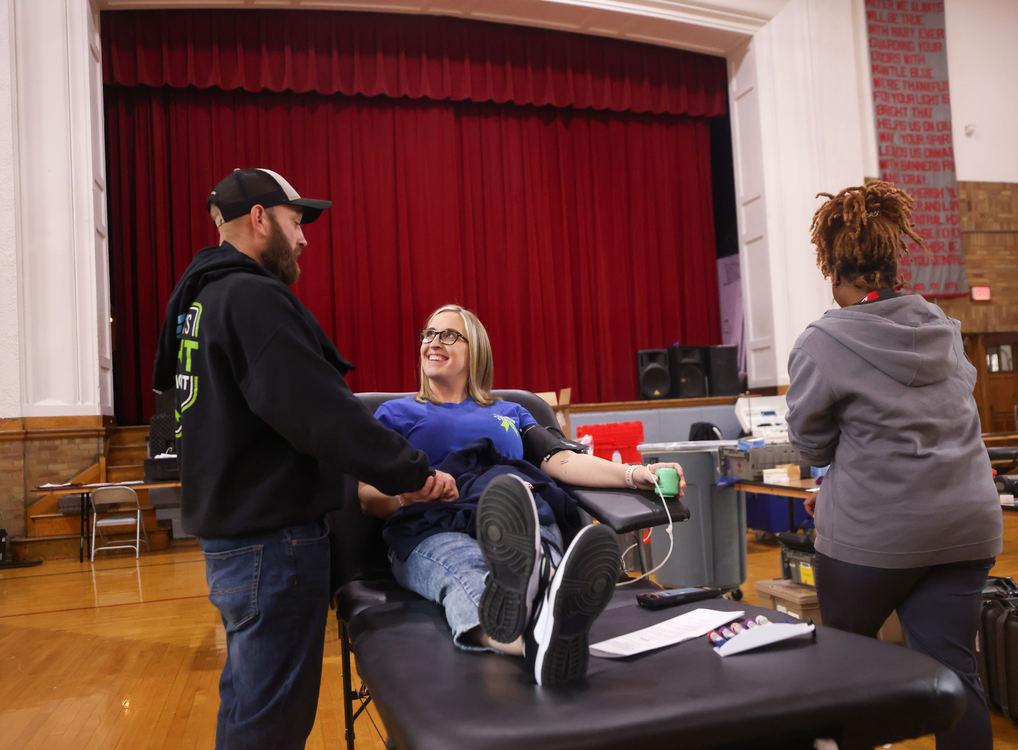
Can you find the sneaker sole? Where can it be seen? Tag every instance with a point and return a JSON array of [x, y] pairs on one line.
[[579, 592], [507, 532]]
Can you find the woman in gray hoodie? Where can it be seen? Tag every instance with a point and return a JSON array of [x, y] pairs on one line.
[[907, 517]]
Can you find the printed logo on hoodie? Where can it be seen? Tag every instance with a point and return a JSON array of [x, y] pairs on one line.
[[187, 383]]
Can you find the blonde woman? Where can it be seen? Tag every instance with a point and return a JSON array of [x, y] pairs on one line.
[[488, 556]]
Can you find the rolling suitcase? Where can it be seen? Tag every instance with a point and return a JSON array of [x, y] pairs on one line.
[[997, 645]]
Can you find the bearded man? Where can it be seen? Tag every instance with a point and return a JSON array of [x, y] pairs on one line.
[[266, 429]]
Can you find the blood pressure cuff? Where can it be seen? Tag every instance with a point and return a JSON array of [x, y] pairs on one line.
[[541, 443]]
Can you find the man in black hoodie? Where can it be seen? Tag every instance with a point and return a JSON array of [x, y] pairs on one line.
[[266, 429]]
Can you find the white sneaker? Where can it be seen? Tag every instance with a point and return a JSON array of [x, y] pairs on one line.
[[556, 645]]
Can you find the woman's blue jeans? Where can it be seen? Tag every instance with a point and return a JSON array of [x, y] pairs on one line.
[[449, 568], [272, 591]]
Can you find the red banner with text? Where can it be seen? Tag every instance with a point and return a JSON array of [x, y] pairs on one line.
[[912, 103]]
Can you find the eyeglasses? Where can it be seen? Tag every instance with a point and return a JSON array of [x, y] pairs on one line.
[[448, 337]]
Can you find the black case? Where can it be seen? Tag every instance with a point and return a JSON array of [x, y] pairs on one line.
[[997, 645], [162, 469]]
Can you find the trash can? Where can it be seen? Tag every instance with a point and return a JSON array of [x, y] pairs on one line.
[[709, 548]]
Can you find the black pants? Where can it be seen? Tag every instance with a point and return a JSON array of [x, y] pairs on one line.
[[939, 611]]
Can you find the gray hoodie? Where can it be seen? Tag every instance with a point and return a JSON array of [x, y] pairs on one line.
[[882, 391]]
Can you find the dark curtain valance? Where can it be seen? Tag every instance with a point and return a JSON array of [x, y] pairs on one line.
[[405, 56]]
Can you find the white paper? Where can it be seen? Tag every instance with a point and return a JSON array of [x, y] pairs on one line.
[[764, 635], [677, 629]]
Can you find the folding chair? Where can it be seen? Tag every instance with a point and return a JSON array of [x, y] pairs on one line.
[[114, 507]]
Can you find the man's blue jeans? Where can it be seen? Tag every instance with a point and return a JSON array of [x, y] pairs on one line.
[[272, 591]]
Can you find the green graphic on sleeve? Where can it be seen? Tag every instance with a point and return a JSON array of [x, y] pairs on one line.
[[187, 382]]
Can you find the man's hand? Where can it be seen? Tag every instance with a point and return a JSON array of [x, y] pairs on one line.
[[441, 487]]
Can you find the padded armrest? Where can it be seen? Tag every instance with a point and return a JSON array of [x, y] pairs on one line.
[[627, 510], [356, 596]]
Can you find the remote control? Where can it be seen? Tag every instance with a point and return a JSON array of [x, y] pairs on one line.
[[671, 597]]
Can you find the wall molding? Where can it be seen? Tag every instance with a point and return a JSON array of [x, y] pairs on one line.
[[49, 428]]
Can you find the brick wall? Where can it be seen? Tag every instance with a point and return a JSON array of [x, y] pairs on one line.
[[989, 222], [34, 452], [54, 460], [12, 484]]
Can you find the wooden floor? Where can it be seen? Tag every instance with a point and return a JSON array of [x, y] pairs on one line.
[[127, 654]]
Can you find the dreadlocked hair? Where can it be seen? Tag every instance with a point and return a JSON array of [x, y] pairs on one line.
[[858, 234]]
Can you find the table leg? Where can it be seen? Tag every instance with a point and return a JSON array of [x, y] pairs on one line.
[[81, 538], [84, 545]]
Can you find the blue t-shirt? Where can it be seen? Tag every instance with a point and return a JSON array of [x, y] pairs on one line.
[[440, 429]]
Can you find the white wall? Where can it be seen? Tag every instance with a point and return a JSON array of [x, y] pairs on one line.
[[10, 297], [811, 139], [807, 127], [982, 60], [818, 134], [55, 246]]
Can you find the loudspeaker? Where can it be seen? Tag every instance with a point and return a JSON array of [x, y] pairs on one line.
[[688, 368], [161, 434], [723, 370], [652, 375]]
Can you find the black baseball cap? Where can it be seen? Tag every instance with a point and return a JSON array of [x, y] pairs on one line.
[[242, 189]]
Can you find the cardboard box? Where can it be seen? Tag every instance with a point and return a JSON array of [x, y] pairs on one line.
[[775, 476], [801, 601], [789, 597]]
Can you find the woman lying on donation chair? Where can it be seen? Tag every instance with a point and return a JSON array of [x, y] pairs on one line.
[[511, 589]]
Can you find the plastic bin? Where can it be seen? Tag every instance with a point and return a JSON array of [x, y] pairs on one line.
[[774, 513], [623, 437], [710, 548], [797, 566]]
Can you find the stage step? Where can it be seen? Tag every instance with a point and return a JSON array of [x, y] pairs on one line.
[[128, 446], [125, 472]]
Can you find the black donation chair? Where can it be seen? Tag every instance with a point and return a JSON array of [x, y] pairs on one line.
[[432, 696], [361, 574]]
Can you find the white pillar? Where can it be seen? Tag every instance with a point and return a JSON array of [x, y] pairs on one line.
[[799, 128], [59, 221], [10, 327]]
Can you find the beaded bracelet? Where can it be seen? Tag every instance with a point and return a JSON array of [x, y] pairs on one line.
[[629, 476]]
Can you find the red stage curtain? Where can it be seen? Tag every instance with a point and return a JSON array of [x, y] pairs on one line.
[[412, 56], [577, 236]]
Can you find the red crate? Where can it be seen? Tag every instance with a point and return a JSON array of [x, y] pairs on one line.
[[615, 436]]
